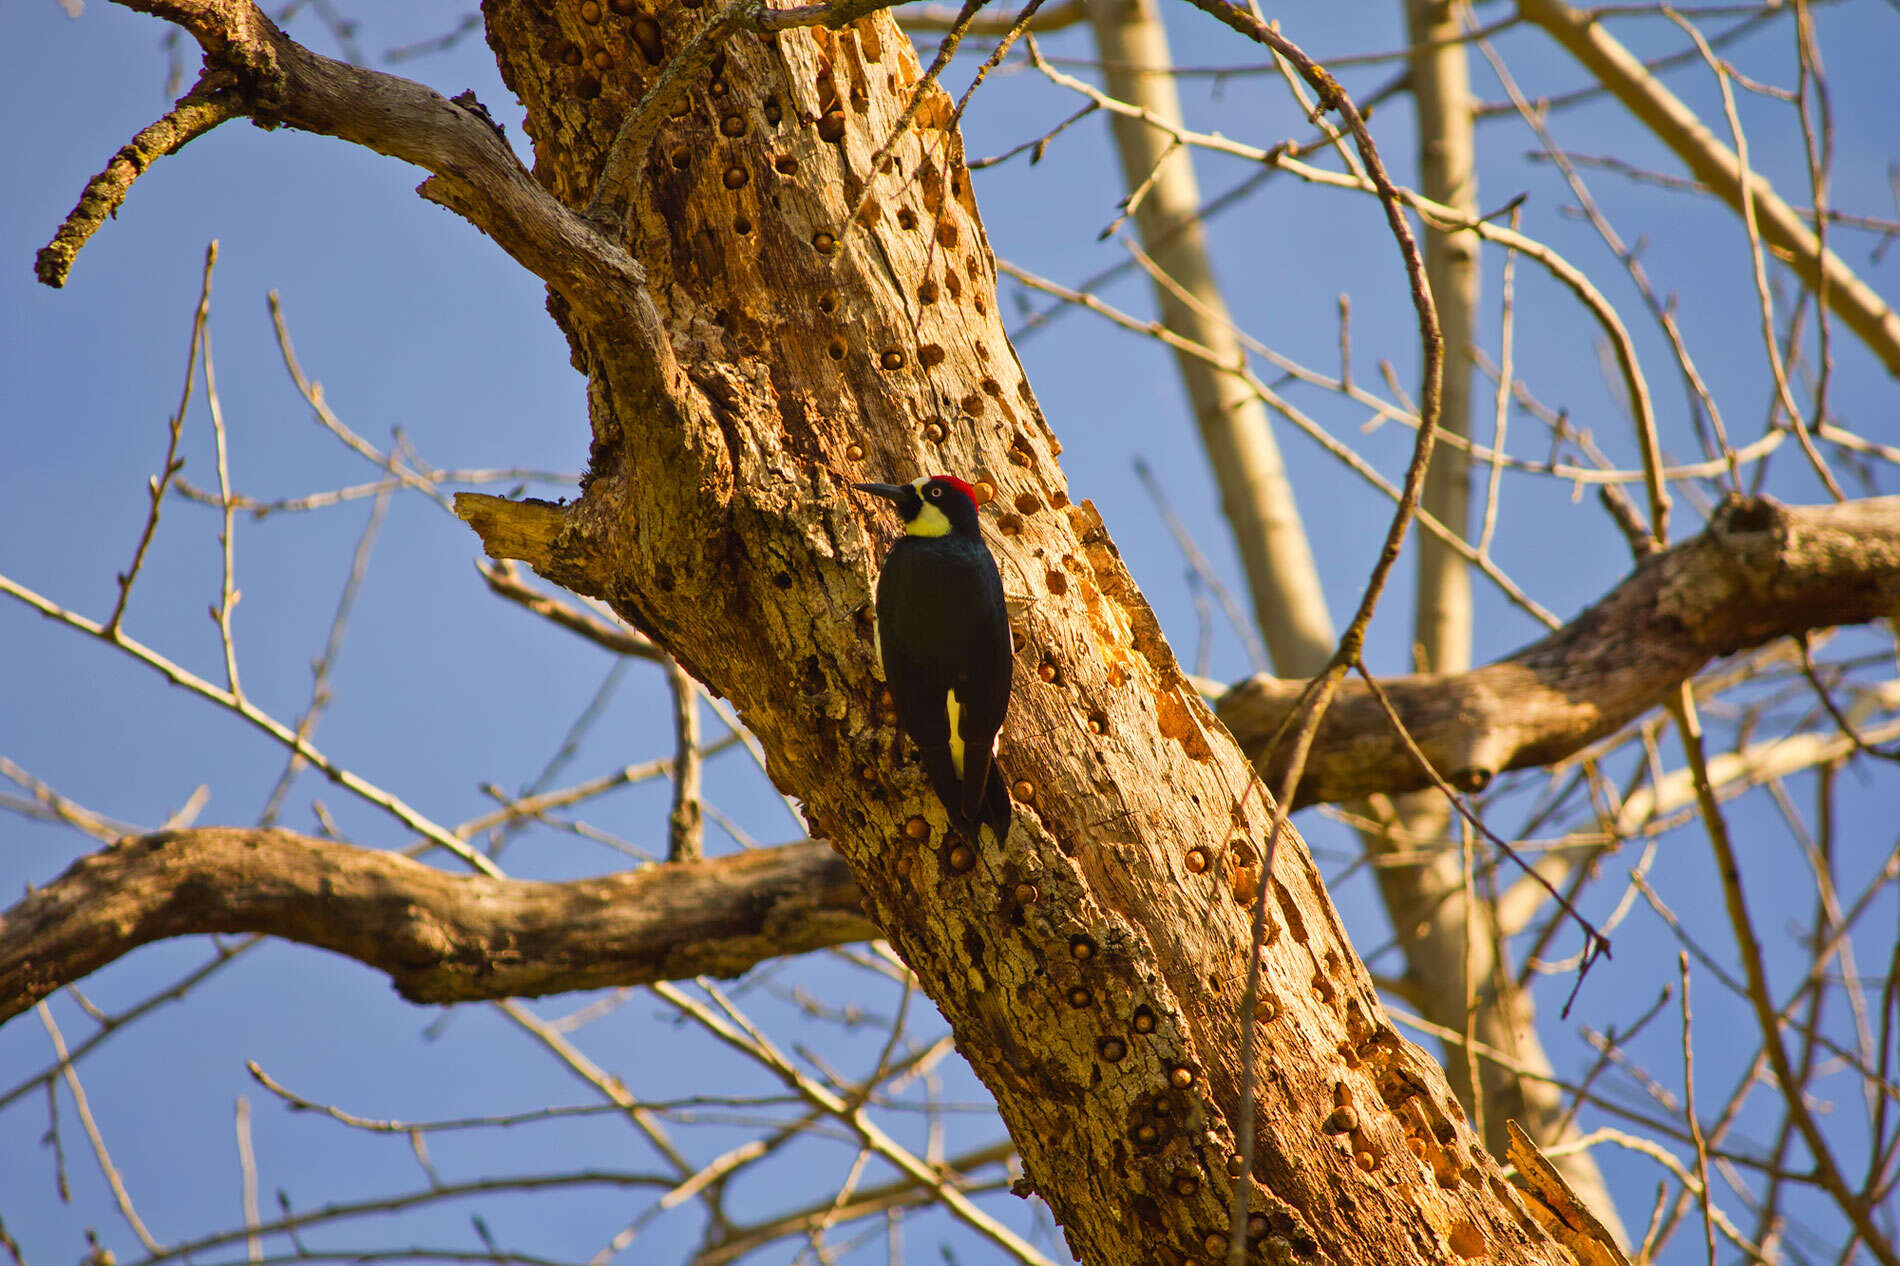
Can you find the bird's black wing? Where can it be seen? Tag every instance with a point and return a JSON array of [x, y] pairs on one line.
[[943, 630]]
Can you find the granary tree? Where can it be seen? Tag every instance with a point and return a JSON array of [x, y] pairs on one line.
[[757, 230]]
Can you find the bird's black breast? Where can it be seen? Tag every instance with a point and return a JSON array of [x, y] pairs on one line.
[[942, 626]]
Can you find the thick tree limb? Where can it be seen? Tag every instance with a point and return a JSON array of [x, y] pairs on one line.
[[440, 937], [1760, 571]]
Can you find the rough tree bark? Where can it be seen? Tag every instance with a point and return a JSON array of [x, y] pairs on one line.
[[797, 304], [1089, 966]]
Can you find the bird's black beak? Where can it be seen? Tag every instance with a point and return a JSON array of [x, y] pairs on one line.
[[890, 492]]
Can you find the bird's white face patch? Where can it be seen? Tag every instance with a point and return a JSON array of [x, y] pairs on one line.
[[954, 711], [930, 521]]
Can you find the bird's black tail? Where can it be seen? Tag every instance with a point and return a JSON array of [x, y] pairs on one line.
[[996, 806], [995, 811]]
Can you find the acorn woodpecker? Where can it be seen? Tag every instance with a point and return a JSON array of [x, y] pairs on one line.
[[943, 639]]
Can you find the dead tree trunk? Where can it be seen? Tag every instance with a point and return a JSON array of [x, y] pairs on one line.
[[770, 301], [1090, 968]]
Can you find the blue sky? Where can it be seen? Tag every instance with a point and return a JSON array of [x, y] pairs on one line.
[[416, 325]]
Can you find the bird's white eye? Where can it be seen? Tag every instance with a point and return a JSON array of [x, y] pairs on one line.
[[936, 492]]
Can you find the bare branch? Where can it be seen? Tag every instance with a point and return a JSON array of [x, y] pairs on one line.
[[440, 937], [1759, 572], [197, 112]]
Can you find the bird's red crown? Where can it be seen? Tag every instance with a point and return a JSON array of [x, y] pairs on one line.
[[959, 485]]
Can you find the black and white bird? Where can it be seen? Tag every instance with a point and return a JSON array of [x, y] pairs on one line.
[[943, 639]]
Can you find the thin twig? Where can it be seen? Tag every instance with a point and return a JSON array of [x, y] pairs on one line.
[[120, 1195], [175, 426], [181, 676], [685, 837]]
